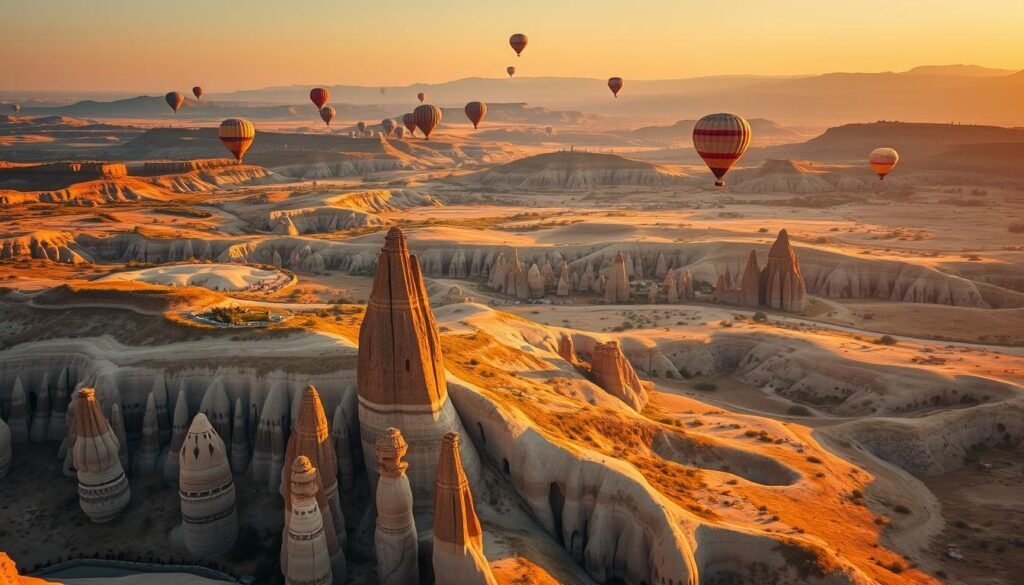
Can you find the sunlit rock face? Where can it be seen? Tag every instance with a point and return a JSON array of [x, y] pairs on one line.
[[458, 539], [208, 515], [102, 485], [613, 372], [395, 539], [401, 376], [306, 559], [782, 286]]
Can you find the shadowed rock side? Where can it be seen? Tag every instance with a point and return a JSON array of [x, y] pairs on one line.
[[306, 560], [575, 171], [617, 287], [5, 448], [102, 485], [567, 350], [41, 415], [178, 431], [782, 285], [17, 419], [395, 540], [458, 538], [613, 372], [400, 372], [209, 521], [145, 462]]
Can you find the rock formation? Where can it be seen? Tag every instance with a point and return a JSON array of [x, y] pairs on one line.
[[395, 539], [209, 520], [117, 425], [617, 287], [239, 440], [305, 559], [535, 282], [57, 427], [661, 267], [102, 485], [217, 407], [458, 267], [750, 282], [17, 417], [159, 392], [685, 286], [179, 430], [724, 282], [341, 436], [781, 285], [458, 539], [400, 371], [312, 438], [146, 457], [567, 350], [613, 372], [5, 448], [671, 288], [41, 416], [66, 449], [564, 287], [652, 294]]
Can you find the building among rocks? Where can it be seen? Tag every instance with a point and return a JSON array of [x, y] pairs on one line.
[[395, 539], [102, 485], [458, 539], [306, 559], [400, 372], [209, 520]]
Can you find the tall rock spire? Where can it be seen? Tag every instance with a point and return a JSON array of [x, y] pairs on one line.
[[149, 449], [163, 417], [750, 282], [782, 286], [5, 448], [239, 440], [312, 438], [41, 416], [57, 427], [613, 372], [209, 520], [305, 559], [458, 539], [343, 449], [102, 485], [617, 288], [217, 407], [395, 539], [17, 417], [179, 430], [273, 415], [401, 375]]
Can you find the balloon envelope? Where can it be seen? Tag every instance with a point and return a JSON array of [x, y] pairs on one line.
[[615, 84], [237, 135], [510, 70], [327, 114], [476, 111], [883, 160], [197, 91], [388, 125], [401, 131], [427, 117], [421, 96], [409, 121], [518, 42], [319, 96], [174, 99], [721, 139]]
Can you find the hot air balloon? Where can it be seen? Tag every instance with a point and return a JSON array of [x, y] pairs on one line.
[[400, 131], [361, 126], [721, 139], [427, 117], [883, 160], [319, 96], [409, 121], [615, 84], [421, 96], [476, 111], [197, 91], [16, 108], [327, 114], [510, 70], [237, 135], [518, 42], [174, 99], [389, 126], [550, 131]]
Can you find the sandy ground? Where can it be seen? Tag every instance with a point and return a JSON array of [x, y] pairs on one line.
[[219, 277]]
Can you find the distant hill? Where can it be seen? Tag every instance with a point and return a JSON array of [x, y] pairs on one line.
[[574, 171], [682, 131]]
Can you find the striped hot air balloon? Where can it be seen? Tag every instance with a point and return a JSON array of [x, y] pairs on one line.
[[389, 126], [721, 139], [174, 99], [319, 96], [518, 43], [427, 117], [197, 91], [883, 160], [409, 121], [615, 84], [476, 111], [327, 114], [510, 70], [421, 96], [237, 135]]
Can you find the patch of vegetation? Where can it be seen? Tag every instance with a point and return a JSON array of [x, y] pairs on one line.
[[759, 317], [237, 315], [886, 340], [798, 410], [706, 386]]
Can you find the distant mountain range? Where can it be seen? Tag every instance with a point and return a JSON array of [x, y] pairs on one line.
[[953, 93]]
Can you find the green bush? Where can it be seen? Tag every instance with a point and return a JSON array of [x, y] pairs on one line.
[[760, 317]]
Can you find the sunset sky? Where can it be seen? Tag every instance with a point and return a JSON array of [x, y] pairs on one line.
[[135, 45]]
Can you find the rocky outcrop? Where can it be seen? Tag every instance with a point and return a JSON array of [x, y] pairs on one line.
[[567, 350], [341, 435], [57, 426], [41, 415], [652, 293], [576, 171], [395, 539], [305, 559], [613, 372], [239, 440], [117, 425], [17, 417], [217, 407], [781, 284], [458, 539], [685, 286], [5, 448], [209, 519], [564, 287], [146, 456], [102, 485], [616, 289], [535, 282], [400, 371], [750, 282], [178, 432]]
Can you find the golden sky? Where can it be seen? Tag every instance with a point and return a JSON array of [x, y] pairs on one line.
[[151, 45]]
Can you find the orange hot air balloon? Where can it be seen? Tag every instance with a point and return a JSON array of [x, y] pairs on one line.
[[721, 139], [388, 125], [327, 114], [237, 135], [518, 42], [174, 99], [510, 70], [476, 111], [409, 121], [883, 160], [427, 117], [319, 96], [197, 91], [615, 84], [421, 96]]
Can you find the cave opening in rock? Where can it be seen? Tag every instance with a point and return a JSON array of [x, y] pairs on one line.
[[556, 501], [483, 437]]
